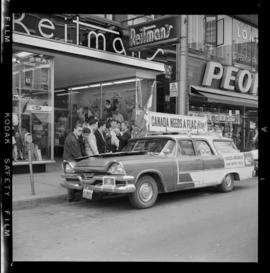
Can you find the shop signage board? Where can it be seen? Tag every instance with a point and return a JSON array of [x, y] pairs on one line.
[[163, 122], [86, 33], [39, 108], [155, 32], [173, 89], [231, 78], [69, 30], [217, 118]]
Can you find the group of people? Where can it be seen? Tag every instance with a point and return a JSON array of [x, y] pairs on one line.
[[94, 137]]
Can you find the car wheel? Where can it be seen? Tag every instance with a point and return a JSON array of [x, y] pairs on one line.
[[145, 194], [227, 183]]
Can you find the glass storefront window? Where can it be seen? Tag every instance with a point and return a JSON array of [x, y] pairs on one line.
[[238, 123], [245, 44], [196, 32], [32, 105], [121, 99]]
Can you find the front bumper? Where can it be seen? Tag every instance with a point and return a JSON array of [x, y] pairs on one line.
[[124, 183]]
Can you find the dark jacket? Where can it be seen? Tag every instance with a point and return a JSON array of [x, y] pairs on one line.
[[101, 142], [123, 139], [72, 147]]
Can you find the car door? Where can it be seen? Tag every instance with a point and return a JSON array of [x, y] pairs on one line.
[[190, 166], [213, 165]]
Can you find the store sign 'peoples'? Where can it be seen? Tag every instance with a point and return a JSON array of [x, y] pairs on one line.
[[232, 78]]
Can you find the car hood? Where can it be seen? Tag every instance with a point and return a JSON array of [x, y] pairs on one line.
[[101, 163]]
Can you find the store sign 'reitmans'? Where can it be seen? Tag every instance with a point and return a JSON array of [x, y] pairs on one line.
[[163, 122], [155, 32]]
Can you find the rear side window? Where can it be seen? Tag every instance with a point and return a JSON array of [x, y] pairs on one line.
[[225, 147], [186, 147], [203, 148]]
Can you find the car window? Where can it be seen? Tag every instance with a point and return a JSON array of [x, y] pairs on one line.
[[169, 147], [186, 147], [225, 146], [153, 145], [203, 148], [139, 146]]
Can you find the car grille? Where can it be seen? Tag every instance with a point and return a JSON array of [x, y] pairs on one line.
[[98, 182]]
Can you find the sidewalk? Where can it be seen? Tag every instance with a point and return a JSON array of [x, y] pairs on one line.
[[47, 188]]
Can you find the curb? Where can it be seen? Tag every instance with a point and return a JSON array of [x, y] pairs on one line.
[[31, 203]]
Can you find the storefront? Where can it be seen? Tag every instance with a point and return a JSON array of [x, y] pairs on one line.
[[221, 75], [57, 78], [228, 97]]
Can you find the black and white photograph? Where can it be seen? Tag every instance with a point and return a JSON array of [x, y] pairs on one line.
[[133, 138]]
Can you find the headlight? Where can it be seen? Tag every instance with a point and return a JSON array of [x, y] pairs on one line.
[[68, 168], [117, 168]]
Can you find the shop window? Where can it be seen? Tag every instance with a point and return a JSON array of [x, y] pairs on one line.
[[32, 105], [122, 100], [245, 44], [196, 32], [211, 30]]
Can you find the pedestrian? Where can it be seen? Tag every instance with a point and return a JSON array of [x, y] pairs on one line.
[[107, 110], [74, 117], [117, 115], [72, 147], [124, 135], [111, 138], [255, 139], [101, 137], [92, 143]]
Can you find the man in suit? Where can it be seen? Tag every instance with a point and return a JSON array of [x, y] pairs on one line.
[[72, 147], [124, 135], [101, 137]]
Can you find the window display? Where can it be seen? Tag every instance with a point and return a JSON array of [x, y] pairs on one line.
[[121, 100], [32, 105], [238, 123]]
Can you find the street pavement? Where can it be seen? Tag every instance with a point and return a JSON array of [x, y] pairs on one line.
[[46, 186], [189, 226]]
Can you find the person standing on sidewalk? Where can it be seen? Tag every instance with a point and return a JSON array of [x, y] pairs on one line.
[[101, 137], [91, 142], [124, 135], [72, 147]]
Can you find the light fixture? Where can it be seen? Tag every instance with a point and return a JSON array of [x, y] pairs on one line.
[[125, 81], [66, 94], [94, 85], [23, 54], [79, 87], [59, 90]]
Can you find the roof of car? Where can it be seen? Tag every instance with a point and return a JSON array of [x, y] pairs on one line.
[[185, 136]]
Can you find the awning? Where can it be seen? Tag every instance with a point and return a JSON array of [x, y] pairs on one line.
[[79, 65], [203, 94]]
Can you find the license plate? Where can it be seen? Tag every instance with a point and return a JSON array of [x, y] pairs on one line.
[[108, 181], [87, 193]]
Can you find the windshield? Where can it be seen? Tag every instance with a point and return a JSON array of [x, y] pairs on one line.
[[225, 147], [154, 145]]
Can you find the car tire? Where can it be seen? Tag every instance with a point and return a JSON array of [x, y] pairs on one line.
[[227, 183], [145, 194]]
